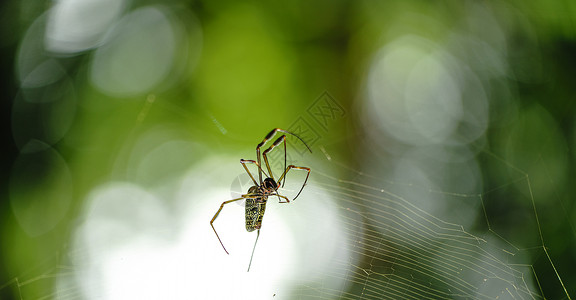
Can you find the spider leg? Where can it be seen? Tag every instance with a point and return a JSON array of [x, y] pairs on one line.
[[297, 168], [249, 161], [257, 236], [216, 216], [265, 154], [269, 136], [284, 197]]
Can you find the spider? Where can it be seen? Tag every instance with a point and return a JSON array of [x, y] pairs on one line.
[[258, 194]]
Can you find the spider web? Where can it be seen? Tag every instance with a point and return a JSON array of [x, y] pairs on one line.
[[405, 252], [389, 244]]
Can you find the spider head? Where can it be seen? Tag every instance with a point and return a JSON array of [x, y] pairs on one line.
[[270, 184]]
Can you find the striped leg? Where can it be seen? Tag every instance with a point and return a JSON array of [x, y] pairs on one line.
[[269, 136], [249, 161], [280, 140], [297, 168], [216, 216]]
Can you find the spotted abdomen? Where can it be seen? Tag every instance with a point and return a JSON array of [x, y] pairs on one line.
[[254, 214]]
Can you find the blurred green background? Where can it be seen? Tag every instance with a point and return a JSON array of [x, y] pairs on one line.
[[92, 89]]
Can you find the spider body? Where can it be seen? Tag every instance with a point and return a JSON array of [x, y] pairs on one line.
[[257, 196]]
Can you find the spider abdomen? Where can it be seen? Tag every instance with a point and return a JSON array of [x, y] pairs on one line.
[[255, 209]]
